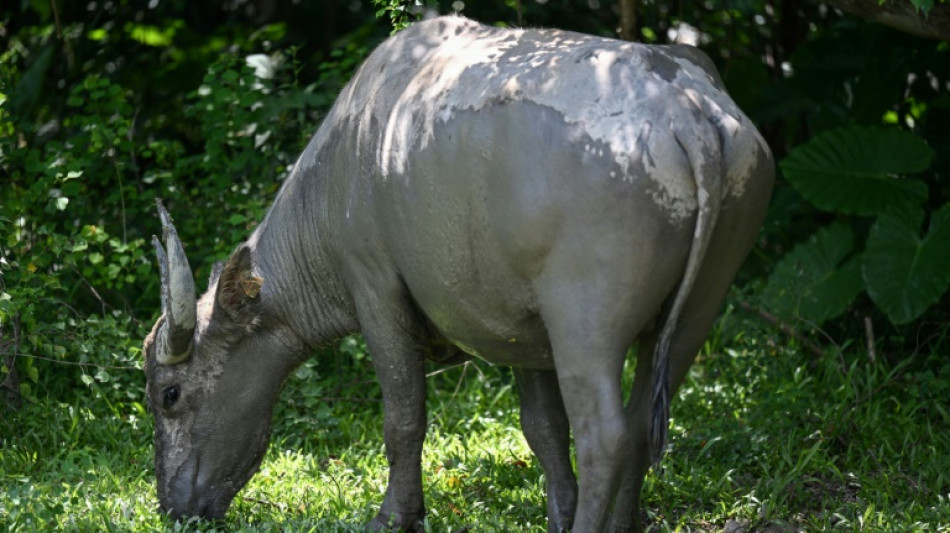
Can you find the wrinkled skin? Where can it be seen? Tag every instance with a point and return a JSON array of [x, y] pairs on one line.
[[535, 198]]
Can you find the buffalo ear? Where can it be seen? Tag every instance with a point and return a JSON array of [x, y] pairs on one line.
[[238, 292]]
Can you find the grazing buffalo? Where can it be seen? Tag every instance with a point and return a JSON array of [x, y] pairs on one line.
[[539, 199]]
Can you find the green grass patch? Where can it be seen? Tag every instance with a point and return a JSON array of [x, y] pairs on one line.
[[764, 437]]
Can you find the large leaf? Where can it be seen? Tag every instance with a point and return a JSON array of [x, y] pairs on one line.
[[855, 170], [30, 87], [810, 283], [906, 273]]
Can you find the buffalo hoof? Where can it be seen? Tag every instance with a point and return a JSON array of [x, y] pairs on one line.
[[626, 528], [617, 524], [395, 524]]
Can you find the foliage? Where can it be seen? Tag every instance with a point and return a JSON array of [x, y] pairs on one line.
[[922, 5], [859, 171], [814, 280], [81, 174], [59, 261], [905, 273], [401, 13], [873, 170]]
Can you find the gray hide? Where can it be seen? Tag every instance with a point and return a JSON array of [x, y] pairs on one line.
[[536, 198]]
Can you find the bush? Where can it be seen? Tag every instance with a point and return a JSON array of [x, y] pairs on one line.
[[79, 205], [858, 229]]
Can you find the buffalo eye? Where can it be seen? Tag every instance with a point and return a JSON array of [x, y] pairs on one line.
[[170, 396]]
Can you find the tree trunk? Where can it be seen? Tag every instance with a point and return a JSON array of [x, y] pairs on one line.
[[902, 15], [628, 20]]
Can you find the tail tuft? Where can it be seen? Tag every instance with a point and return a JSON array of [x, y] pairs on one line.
[[660, 400]]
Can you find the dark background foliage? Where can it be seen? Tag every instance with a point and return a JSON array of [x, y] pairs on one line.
[[106, 105]]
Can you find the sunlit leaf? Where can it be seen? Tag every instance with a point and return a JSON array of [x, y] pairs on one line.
[[151, 35], [98, 34]]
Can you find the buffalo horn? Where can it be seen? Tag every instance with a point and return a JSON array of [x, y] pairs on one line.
[[179, 306]]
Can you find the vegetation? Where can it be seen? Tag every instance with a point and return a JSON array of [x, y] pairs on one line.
[[839, 325]]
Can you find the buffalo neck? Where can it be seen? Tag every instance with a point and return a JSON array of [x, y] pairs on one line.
[[291, 250]]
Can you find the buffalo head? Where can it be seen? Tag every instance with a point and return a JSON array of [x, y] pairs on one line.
[[214, 367]]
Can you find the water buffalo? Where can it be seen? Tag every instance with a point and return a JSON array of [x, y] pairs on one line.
[[537, 198]]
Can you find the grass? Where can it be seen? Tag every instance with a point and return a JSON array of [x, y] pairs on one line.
[[764, 438]]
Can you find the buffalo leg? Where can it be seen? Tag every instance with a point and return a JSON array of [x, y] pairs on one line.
[[399, 363], [547, 431], [589, 360], [683, 349], [625, 517], [700, 312], [593, 312], [594, 407]]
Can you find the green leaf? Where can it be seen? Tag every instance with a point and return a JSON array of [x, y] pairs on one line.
[[810, 283], [98, 34], [27, 92], [151, 35], [923, 5], [906, 274], [230, 76], [855, 170]]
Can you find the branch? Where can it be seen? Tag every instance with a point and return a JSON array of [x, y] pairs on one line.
[[59, 29], [784, 328], [901, 14], [12, 382], [77, 363]]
